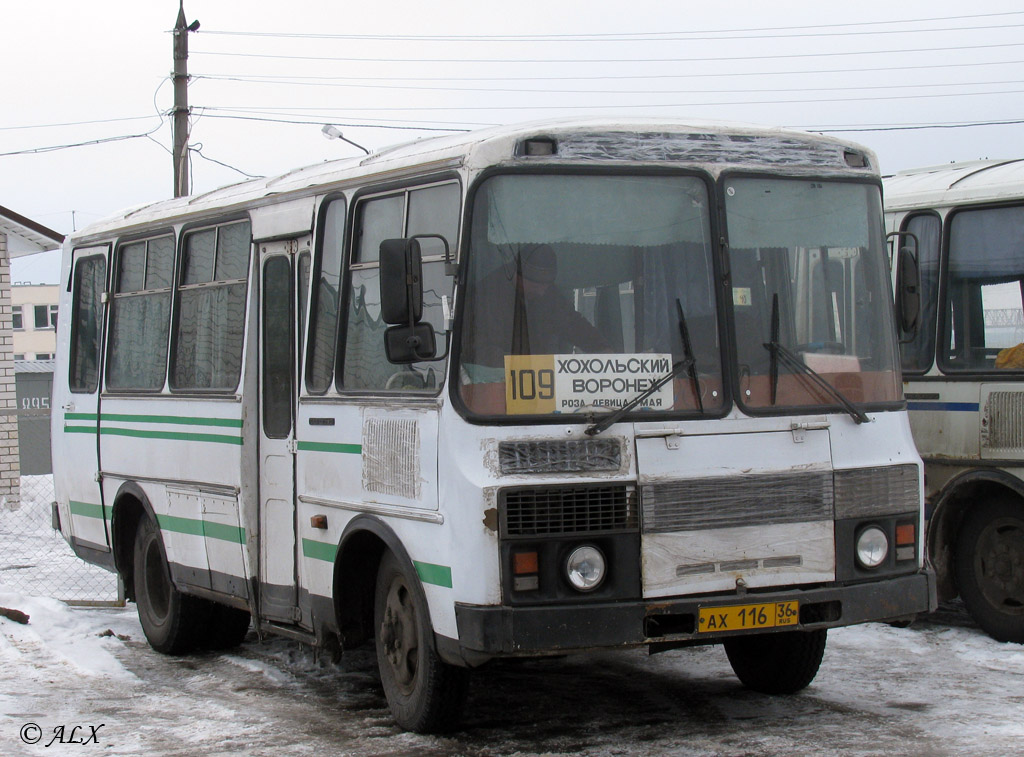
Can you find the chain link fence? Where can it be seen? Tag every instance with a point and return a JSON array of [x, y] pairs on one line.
[[35, 559]]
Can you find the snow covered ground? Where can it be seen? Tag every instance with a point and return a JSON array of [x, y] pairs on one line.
[[934, 688], [939, 687]]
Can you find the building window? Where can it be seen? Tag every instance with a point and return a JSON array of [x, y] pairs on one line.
[[17, 318], [46, 316], [44, 356], [19, 355]]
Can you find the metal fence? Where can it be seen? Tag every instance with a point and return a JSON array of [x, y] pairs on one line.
[[35, 559]]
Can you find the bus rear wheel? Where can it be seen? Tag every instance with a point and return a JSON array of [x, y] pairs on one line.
[[169, 618], [777, 663], [989, 568], [424, 694]]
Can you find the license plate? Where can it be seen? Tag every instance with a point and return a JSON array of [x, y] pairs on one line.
[[746, 617]]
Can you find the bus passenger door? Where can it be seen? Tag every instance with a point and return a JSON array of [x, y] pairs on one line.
[[76, 463], [278, 589]]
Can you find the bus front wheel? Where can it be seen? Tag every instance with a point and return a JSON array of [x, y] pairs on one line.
[[169, 618], [989, 567], [777, 663], [424, 693]]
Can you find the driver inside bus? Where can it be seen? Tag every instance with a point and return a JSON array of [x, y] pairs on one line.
[[522, 312]]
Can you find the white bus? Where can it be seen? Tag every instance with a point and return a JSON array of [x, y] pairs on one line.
[[963, 372], [521, 392]]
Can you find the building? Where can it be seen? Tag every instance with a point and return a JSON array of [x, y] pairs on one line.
[[18, 236], [34, 321]]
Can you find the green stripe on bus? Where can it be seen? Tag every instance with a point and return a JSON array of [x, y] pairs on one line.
[[196, 527], [87, 509], [439, 575], [79, 416], [318, 550], [79, 429], [181, 436], [348, 449], [175, 419]]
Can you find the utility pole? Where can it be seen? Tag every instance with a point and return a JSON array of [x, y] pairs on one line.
[[181, 111]]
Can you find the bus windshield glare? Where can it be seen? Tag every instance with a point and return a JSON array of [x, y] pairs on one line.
[[585, 290]]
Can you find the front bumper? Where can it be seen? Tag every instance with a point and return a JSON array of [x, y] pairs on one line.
[[511, 631]]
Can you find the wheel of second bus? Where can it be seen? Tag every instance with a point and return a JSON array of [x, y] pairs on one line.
[[169, 618], [990, 567], [424, 693], [777, 663]]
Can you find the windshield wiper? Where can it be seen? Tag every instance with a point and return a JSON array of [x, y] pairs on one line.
[[687, 362], [613, 417], [793, 361], [684, 334]]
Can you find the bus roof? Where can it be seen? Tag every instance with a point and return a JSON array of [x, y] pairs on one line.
[[710, 144], [973, 181]]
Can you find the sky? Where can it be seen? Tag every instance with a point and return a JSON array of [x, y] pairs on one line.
[[264, 80]]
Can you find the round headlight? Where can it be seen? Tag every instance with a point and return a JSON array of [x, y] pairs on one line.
[[872, 547], [585, 568]]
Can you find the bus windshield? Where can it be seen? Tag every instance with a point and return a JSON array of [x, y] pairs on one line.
[[584, 290], [808, 274]]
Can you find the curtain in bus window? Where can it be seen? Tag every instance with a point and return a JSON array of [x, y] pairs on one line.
[[140, 315], [86, 323], [211, 312], [209, 349]]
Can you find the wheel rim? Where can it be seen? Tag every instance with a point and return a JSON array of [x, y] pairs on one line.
[[398, 635], [999, 565], [158, 589]]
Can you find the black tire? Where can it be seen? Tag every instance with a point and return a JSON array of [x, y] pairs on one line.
[[424, 694], [989, 565], [777, 663], [170, 619], [226, 627]]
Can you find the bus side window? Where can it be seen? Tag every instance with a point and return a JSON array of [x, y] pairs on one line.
[[210, 321], [86, 323], [324, 298], [425, 210], [140, 317]]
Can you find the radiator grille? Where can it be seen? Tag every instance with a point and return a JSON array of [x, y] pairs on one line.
[[563, 456], [868, 492], [546, 511], [734, 501]]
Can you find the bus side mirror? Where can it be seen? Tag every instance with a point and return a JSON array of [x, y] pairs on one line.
[[401, 303], [409, 344], [908, 291]]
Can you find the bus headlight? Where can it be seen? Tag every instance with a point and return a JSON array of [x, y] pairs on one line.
[[586, 568], [872, 547]]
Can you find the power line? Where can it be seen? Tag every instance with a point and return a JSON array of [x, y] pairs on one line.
[[637, 36], [54, 148], [600, 106], [612, 77], [700, 59], [612, 91], [77, 123], [319, 120], [198, 150]]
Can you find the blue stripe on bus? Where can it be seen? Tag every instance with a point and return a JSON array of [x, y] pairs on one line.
[[955, 407]]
